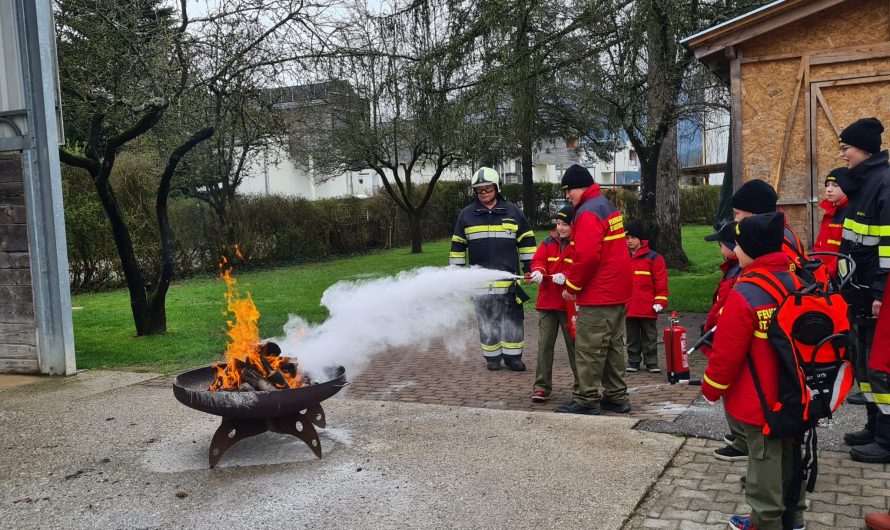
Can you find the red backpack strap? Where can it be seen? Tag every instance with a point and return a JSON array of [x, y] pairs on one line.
[[769, 284]]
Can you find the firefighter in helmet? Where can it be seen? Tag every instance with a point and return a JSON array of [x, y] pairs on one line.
[[493, 233]]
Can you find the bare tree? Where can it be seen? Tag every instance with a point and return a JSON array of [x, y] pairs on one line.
[[129, 66]]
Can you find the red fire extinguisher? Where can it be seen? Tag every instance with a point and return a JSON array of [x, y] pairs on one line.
[[676, 356], [572, 315]]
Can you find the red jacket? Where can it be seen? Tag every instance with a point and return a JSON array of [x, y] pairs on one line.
[[830, 233], [731, 271], [650, 283], [742, 335], [600, 273], [553, 255]]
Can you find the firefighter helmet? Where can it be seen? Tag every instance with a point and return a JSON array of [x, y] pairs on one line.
[[485, 176]]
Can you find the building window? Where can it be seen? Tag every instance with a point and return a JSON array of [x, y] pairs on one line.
[[632, 155]]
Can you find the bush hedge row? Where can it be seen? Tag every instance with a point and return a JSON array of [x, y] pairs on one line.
[[274, 230]]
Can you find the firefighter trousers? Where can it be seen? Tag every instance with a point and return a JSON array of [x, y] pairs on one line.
[[769, 475], [599, 355], [549, 324], [501, 331], [642, 340], [876, 423]]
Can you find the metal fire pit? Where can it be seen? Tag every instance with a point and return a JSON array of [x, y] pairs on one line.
[[294, 411]]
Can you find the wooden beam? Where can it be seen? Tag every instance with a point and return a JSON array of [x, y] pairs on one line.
[[735, 119], [876, 50], [763, 22], [856, 75], [861, 80], [821, 98], [789, 123]]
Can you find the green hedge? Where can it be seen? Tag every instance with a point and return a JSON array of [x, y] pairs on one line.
[[274, 230]]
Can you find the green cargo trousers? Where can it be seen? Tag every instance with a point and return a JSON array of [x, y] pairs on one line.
[[770, 471], [642, 340], [599, 355], [549, 324], [737, 428]]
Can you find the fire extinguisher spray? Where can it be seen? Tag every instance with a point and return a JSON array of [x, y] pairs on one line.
[[676, 356]]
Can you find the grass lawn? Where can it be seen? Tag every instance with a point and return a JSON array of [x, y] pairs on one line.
[[104, 331]]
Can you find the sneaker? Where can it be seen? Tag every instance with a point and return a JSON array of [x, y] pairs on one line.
[[861, 437], [493, 365], [514, 363], [856, 399], [573, 407], [620, 408], [730, 454], [633, 367], [871, 453], [653, 368], [740, 522], [540, 396], [729, 439]]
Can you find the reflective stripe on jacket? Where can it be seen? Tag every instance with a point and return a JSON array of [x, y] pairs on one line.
[[830, 232], [601, 272], [742, 334], [650, 283], [553, 255], [498, 238], [866, 234]]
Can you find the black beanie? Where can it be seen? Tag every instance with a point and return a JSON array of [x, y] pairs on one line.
[[864, 134], [755, 196], [634, 228], [566, 213], [576, 176], [725, 235], [761, 234], [836, 175]]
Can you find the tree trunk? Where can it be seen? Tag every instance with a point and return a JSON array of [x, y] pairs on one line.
[[415, 228], [666, 234], [648, 190]]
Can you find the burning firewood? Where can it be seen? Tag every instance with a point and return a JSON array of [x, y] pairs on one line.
[[277, 378], [253, 377]]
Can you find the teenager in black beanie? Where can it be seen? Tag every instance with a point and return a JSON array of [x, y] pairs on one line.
[[634, 229], [868, 219], [753, 197], [759, 235]]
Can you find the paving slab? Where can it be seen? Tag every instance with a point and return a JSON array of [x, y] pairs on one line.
[[98, 450]]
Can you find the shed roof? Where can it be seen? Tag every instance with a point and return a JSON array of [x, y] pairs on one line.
[[709, 45]]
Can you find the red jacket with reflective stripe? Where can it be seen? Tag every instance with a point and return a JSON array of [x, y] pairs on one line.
[[650, 283], [742, 334], [831, 232], [551, 257], [601, 271]]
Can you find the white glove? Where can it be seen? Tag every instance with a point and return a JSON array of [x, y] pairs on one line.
[[658, 308], [709, 402], [559, 278], [536, 277]]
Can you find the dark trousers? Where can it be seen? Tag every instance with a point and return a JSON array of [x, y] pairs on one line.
[[878, 424], [501, 330], [642, 340], [549, 324]]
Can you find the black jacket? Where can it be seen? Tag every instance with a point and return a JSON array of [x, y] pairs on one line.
[[866, 235], [495, 239]]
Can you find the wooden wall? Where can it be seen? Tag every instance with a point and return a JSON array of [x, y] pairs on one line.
[[18, 334], [798, 87]]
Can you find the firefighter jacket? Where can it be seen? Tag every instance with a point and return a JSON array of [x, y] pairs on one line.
[[650, 285], [866, 234], [601, 272], [498, 238], [553, 255], [731, 270], [829, 237], [740, 336]]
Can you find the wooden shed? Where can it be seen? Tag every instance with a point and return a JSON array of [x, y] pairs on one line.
[[799, 71]]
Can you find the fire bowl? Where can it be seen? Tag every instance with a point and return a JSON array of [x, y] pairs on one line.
[[294, 411]]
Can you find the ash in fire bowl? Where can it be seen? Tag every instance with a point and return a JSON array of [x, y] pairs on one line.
[[247, 412]]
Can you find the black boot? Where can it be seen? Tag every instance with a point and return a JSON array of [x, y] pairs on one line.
[[856, 399], [871, 453], [493, 364], [514, 362], [861, 437]]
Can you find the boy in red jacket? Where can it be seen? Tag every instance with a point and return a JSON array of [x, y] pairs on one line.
[[730, 269], [740, 346], [553, 257], [650, 295], [831, 231]]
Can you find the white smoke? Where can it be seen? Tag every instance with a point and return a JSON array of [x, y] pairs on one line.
[[414, 308]]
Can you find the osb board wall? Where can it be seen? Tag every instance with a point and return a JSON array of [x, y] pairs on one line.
[[868, 67], [846, 24], [18, 334], [767, 92]]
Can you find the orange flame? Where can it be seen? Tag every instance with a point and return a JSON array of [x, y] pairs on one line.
[[243, 347]]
